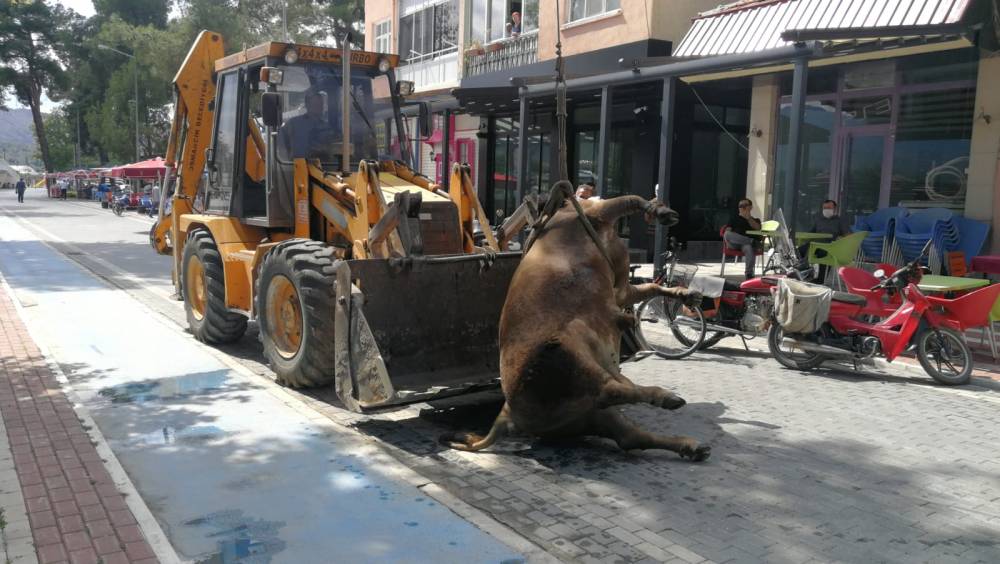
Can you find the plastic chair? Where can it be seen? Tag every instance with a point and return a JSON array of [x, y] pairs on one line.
[[914, 230], [860, 282], [837, 253], [993, 318], [880, 227], [972, 237], [975, 309], [728, 251]]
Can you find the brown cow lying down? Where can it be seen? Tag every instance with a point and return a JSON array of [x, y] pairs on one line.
[[560, 332]]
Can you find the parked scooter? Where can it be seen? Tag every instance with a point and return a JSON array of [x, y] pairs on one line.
[[744, 309], [924, 322], [148, 206]]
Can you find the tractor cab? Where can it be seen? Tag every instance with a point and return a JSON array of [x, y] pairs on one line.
[[279, 102]]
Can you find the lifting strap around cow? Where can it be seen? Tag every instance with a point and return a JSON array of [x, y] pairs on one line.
[[801, 307]]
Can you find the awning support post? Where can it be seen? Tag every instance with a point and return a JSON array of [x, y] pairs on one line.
[[604, 140], [522, 148], [446, 148], [793, 171], [666, 152]]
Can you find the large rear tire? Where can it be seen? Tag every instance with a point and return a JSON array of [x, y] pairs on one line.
[[944, 355], [296, 293], [204, 291], [795, 360]]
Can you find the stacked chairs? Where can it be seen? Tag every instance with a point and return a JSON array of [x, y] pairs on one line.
[[880, 227], [913, 231]]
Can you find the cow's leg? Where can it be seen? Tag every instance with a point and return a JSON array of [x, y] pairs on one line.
[[633, 294], [610, 210], [613, 425], [620, 391]]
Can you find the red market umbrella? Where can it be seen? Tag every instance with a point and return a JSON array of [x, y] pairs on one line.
[[151, 169]]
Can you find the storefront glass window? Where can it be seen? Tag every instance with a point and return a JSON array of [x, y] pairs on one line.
[[945, 66], [876, 110], [931, 155], [817, 149], [504, 181]]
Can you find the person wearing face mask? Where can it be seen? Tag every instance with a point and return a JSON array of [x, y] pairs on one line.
[[830, 222]]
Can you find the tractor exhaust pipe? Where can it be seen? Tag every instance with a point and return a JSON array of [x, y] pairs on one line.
[[816, 348], [345, 106]]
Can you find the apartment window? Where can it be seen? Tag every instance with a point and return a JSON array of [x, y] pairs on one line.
[[493, 20], [581, 9], [383, 37], [429, 31]]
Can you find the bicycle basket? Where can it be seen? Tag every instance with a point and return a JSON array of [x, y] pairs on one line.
[[681, 274], [801, 307]]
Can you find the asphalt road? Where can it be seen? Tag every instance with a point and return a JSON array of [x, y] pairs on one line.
[[834, 465]]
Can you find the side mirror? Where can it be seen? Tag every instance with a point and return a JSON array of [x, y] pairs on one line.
[[270, 105], [424, 120], [880, 274]]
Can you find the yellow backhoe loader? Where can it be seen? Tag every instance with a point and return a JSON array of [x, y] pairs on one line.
[[292, 199]]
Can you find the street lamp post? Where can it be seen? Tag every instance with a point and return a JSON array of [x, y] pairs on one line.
[[135, 77]]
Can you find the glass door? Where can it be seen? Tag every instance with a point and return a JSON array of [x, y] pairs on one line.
[[865, 172]]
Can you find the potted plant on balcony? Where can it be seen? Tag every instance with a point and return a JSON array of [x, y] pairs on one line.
[[494, 47], [475, 49]]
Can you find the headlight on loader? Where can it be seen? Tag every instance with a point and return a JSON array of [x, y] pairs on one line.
[[383, 65], [291, 56]]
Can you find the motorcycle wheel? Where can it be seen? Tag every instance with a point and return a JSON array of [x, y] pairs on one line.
[[118, 210], [669, 328], [944, 355], [789, 358]]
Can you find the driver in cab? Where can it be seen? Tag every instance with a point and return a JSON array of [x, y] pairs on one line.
[[305, 135]]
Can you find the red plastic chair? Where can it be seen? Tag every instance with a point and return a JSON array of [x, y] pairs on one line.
[[860, 282], [972, 309], [728, 251]]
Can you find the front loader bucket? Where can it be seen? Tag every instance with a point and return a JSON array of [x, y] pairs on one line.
[[418, 328]]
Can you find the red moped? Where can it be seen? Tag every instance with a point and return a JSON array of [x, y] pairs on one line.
[[927, 323]]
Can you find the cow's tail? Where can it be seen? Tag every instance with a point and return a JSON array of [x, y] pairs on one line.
[[472, 442]]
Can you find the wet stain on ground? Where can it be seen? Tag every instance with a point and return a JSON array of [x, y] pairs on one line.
[[167, 388], [190, 436], [240, 539]]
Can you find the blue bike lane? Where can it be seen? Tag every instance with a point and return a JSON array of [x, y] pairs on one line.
[[231, 468]]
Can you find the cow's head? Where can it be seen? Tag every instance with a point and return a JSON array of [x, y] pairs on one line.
[[661, 213]]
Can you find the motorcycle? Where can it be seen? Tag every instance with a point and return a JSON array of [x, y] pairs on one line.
[[923, 322], [119, 202], [744, 309]]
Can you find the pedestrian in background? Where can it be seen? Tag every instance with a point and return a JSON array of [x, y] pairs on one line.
[[20, 187]]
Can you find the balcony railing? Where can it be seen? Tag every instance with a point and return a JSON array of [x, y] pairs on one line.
[[431, 69], [501, 55]]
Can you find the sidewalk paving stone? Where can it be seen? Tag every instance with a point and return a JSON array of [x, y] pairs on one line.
[[65, 486]]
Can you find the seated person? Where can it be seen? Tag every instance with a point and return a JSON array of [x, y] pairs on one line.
[[830, 223], [736, 234], [306, 135]]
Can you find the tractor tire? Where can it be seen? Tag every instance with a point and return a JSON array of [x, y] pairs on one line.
[[204, 292], [296, 297]]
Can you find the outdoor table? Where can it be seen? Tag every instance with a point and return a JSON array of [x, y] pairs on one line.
[[805, 236], [987, 264], [937, 283]]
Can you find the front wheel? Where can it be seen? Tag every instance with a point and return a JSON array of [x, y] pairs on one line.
[[118, 209], [671, 329], [790, 356], [296, 292], [945, 356]]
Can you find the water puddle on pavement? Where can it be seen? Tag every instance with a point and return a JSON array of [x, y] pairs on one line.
[[240, 538], [179, 387]]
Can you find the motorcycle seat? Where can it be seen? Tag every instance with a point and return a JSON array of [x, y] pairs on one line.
[[846, 298]]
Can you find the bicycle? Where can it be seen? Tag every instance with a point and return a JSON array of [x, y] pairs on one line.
[[668, 327]]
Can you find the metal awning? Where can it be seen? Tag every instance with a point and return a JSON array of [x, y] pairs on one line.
[[759, 25]]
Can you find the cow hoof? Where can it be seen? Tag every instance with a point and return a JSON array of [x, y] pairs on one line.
[[450, 440], [697, 454]]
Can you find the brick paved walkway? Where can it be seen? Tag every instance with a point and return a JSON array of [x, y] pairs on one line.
[[76, 513]]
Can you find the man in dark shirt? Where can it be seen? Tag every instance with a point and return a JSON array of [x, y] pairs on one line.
[[20, 187], [736, 234], [830, 222]]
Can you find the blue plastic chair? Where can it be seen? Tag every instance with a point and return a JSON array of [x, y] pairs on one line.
[[880, 226], [972, 236], [914, 230]]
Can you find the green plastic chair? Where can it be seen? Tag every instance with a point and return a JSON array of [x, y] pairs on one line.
[[841, 252], [770, 225], [990, 330]]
